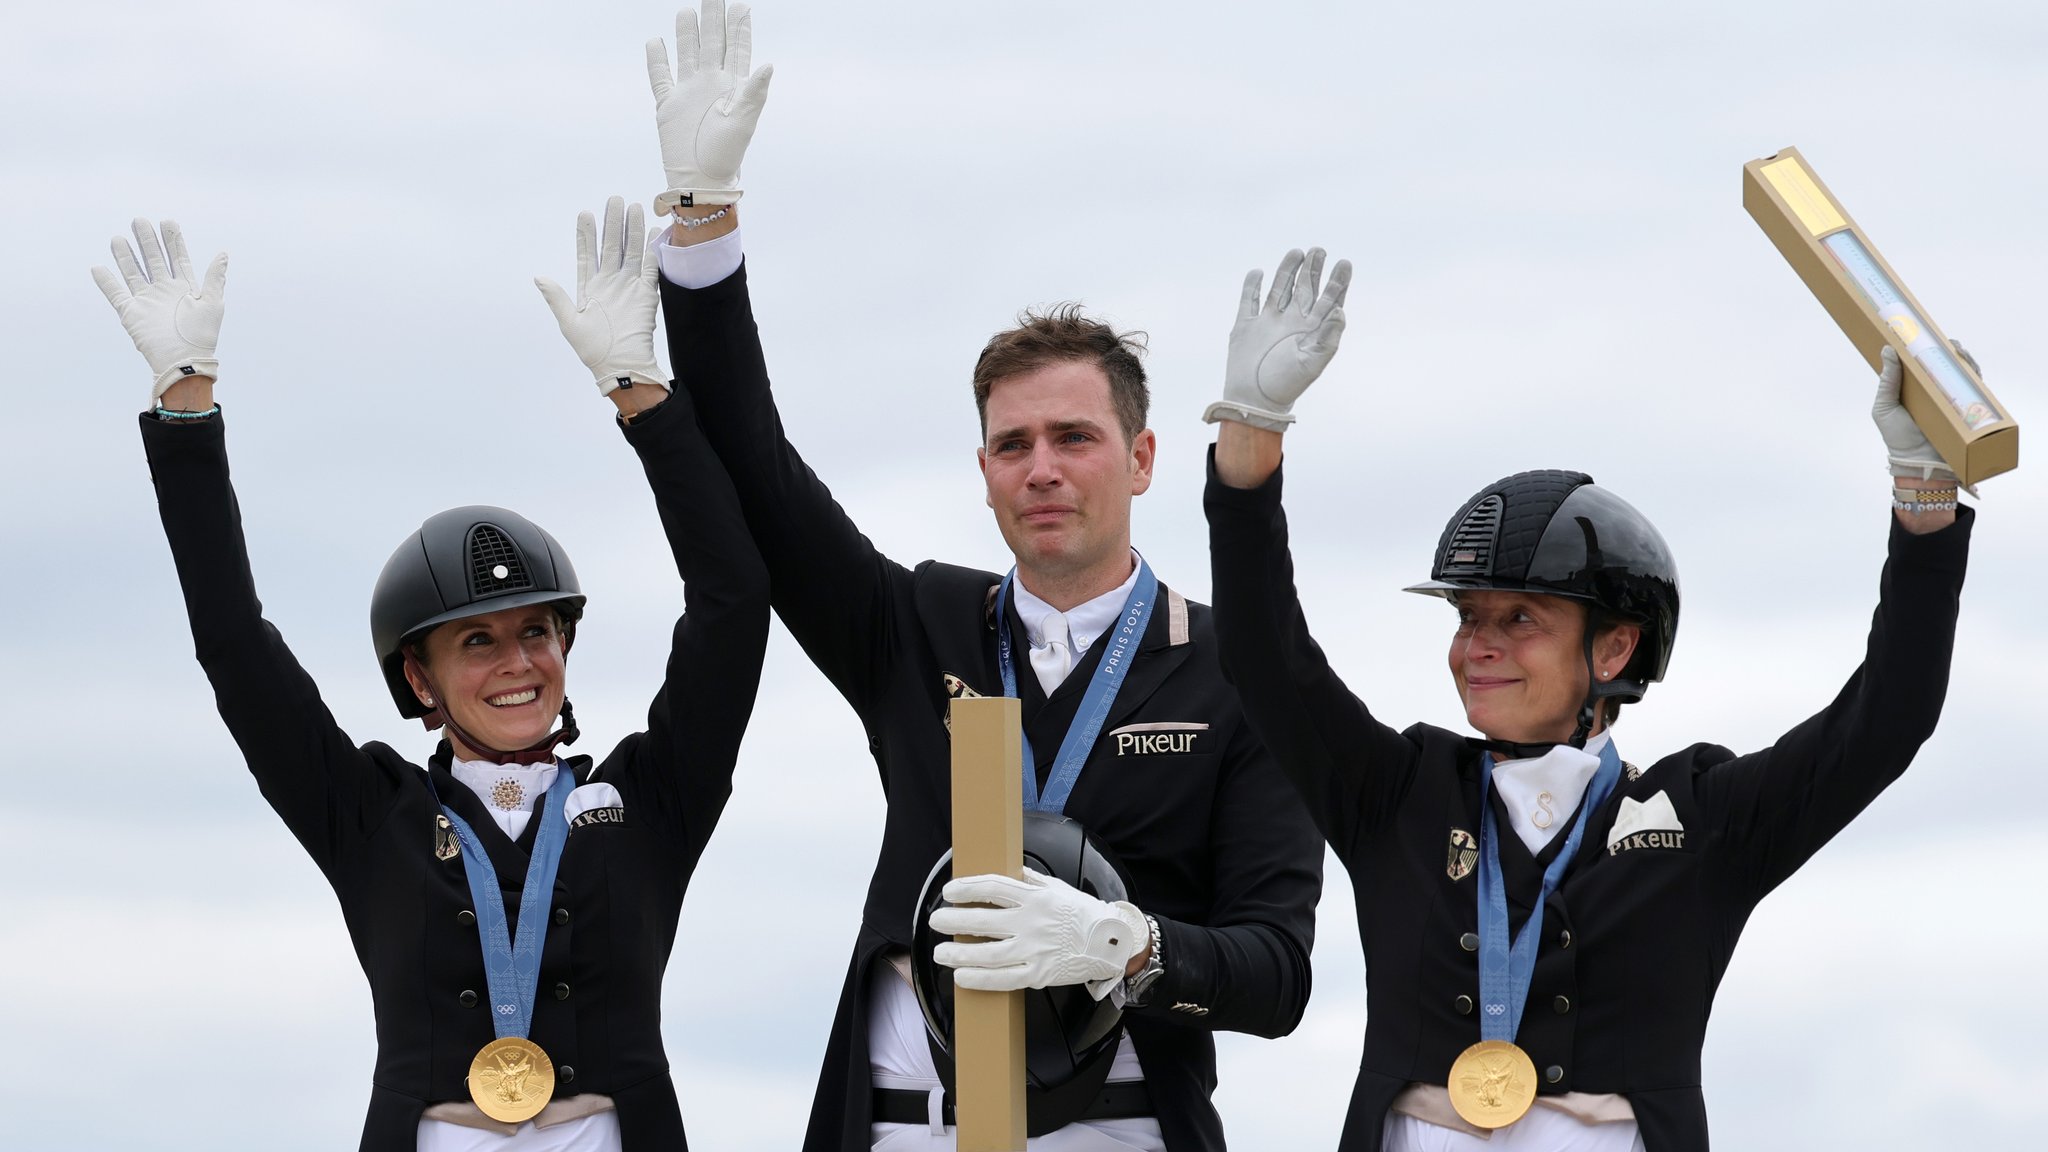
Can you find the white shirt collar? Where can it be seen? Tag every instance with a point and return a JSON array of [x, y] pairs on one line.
[[509, 791], [1085, 622], [1541, 792]]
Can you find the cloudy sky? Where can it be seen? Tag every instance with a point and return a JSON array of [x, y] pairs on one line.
[[1554, 269]]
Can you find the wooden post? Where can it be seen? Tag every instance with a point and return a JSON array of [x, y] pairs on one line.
[[988, 837]]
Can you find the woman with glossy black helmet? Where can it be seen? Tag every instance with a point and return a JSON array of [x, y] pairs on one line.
[[512, 909], [1545, 925]]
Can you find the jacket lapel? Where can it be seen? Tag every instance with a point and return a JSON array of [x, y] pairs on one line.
[[1163, 648]]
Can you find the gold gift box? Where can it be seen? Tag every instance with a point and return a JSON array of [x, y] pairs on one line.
[[1972, 431]]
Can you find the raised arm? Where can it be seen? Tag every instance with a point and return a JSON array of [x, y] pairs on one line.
[[1347, 765], [685, 757], [329, 793], [1783, 803], [832, 588]]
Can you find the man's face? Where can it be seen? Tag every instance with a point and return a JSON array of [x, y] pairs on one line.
[[1060, 476]]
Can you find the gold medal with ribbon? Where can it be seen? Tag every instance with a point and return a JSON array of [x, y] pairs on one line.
[[1492, 1084], [512, 1079]]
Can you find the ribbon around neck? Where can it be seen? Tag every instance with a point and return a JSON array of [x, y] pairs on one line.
[[1505, 970], [512, 957], [1095, 704]]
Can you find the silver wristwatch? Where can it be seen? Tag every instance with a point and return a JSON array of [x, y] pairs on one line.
[[1139, 985]]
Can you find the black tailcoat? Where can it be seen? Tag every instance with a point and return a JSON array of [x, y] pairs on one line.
[[367, 817], [1638, 934], [1219, 849]]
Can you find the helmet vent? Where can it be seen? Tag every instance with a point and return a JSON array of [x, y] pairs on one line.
[[495, 565], [1470, 550]]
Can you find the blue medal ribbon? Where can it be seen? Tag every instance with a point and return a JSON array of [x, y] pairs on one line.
[[512, 959], [1095, 706], [1505, 972]]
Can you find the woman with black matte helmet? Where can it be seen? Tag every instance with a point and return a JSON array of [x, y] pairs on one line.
[[512, 910], [1544, 924]]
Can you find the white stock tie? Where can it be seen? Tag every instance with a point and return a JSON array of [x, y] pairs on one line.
[[1052, 662]]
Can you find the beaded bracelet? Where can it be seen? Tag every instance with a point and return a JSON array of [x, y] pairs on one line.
[[167, 414], [689, 222]]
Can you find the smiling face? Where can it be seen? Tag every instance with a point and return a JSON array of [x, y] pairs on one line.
[[1519, 662], [500, 676], [1060, 478]]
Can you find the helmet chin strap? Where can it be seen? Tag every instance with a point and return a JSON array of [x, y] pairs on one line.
[[537, 753]]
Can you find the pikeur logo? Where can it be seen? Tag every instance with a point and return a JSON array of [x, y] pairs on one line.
[[1157, 739], [1646, 840], [598, 816]]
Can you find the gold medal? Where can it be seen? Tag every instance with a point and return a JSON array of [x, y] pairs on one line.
[[511, 1079], [1492, 1084]]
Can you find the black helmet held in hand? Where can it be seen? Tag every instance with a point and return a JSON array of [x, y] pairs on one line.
[[461, 563], [1070, 1038], [1559, 534]]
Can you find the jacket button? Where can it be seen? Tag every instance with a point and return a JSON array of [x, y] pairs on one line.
[[561, 991], [468, 998], [1464, 1005], [561, 915], [568, 1073], [1469, 941], [1564, 938], [1562, 1005], [1554, 1073], [466, 918]]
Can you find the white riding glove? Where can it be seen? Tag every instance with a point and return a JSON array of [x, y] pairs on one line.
[[173, 317], [1043, 933], [1906, 446], [1277, 351], [706, 109], [611, 324]]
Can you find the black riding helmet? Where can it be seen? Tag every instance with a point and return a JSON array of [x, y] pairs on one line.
[[1070, 1038], [461, 563], [1559, 534]]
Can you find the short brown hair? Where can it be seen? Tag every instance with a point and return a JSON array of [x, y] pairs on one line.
[[1066, 333]]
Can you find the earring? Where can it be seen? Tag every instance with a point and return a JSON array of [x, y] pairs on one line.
[[430, 700]]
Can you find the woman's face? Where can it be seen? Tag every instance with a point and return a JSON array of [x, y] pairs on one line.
[[500, 675], [1519, 662]]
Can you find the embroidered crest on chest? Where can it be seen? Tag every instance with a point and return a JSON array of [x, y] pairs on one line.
[[1463, 857], [957, 689]]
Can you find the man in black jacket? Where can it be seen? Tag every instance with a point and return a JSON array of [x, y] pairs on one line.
[[1224, 864]]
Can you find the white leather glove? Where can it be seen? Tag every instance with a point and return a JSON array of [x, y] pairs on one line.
[[611, 324], [1277, 351], [173, 318], [1906, 446], [705, 111], [1043, 933]]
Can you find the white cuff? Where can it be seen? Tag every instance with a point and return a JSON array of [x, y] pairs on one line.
[[699, 265], [1246, 414]]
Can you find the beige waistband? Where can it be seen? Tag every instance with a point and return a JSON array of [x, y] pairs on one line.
[[468, 1115], [1431, 1104]]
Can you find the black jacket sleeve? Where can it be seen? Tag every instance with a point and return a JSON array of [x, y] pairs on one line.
[[837, 593], [1247, 967], [1781, 805], [1350, 768], [330, 794], [694, 727]]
